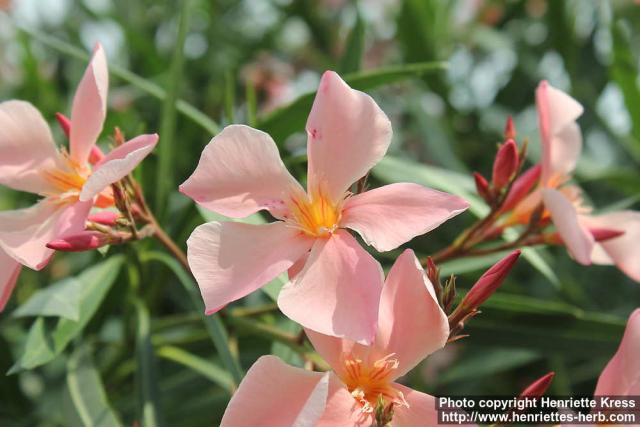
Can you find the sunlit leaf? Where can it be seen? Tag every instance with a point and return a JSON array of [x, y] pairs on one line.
[[62, 299]]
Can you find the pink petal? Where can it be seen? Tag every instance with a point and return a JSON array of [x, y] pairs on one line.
[[9, 272], [240, 172], [576, 237], [421, 410], [411, 323], [347, 135], [89, 107], [342, 410], [333, 349], [389, 216], [26, 148], [561, 139], [274, 394], [118, 164], [623, 251], [621, 377], [338, 291], [230, 260], [24, 233]]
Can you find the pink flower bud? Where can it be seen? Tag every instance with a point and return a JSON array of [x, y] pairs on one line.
[[539, 386], [489, 282], [104, 217], [84, 241], [521, 187], [505, 165], [482, 187], [602, 234], [510, 129], [64, 123], [96, 155]]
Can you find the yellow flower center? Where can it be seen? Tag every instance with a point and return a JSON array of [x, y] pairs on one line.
[[368, 382], [67, 180], [315, 214]]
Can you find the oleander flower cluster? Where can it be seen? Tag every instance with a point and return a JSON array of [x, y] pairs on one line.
[[323, 236]]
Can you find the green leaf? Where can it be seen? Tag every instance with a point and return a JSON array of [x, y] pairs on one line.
[[87, 392], [164, 172], [202, 366], [290, 119], [352, 58], [62, 299], [624, 72], [488, 362], [214, 325], [544, 325], [188, 110], [209, 216], [149, 393], [44, 344]]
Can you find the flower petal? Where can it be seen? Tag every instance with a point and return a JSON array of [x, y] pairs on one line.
[[338, 291], [421, 410], [89, 107], [118, 164], [9, 272], [561, 139], [411, 323], [623, 251], [24, 233], [576, 237], [347, 135], [230, 260], [274, 394], [389, 216], [333, 349], [342, 410], [621, 376], [26, 148], [240, 172]]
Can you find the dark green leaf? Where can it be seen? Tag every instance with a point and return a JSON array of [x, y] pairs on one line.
[[44, 344], [87, 392]]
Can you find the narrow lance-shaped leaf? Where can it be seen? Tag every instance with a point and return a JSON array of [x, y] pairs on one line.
[[87, 391], [44, 342]]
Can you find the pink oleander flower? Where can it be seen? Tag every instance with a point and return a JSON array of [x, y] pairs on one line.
[[411, 325], [338, 285], [561, 148], [621, 376], [67, 181]]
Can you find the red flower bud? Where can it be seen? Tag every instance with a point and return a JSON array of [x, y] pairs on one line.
[[602, 234], [64, 123], [539, 386], [84, 241], [505, 165], [489, 282], [509, 129], [482, 187], [95, 155], [104, 217], [521, 187]]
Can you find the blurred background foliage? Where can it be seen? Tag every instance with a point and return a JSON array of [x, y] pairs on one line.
[[133, 348]]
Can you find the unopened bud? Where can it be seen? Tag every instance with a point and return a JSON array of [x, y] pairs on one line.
[[509, 129], [521, 187], [489, 282], [505, 165], [96, 155], [84, 241], [539, 386], [105, 217], [602, 234], [64, 123], [482, 187]]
